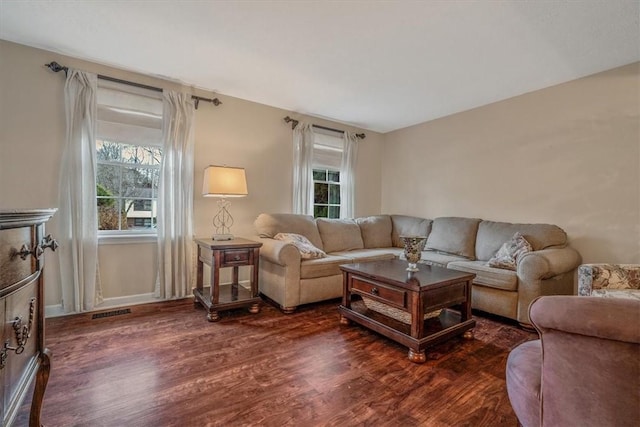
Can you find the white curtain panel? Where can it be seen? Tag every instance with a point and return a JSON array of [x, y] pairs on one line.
[[77, 197], [347, 175], [175, 198], [303, 138]]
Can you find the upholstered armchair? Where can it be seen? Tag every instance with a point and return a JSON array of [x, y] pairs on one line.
[[609, 280], [585, 368]]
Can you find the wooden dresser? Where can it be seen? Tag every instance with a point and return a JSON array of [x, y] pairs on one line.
[[23, 356]]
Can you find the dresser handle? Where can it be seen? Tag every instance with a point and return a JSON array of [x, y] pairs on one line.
[[23, 332], [50, 242], [374, 291], [237, 258], [24, 252], [38, 251]]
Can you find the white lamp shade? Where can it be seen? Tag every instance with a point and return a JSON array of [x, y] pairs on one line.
[[222, 181]]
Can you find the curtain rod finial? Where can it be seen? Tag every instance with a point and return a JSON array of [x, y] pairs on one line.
[[293, 122], [197, 99], [55, 67]]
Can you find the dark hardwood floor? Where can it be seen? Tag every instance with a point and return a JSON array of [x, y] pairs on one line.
[[165, 365]]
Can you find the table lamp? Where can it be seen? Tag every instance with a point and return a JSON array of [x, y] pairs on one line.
[[224, 182]]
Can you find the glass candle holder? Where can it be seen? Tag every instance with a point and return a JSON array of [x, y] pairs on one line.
[[413, 246]]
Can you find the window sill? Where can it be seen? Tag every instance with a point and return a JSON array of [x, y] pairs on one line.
[[126, 239]]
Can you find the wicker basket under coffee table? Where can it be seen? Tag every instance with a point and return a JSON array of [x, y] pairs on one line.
[[417, 309]]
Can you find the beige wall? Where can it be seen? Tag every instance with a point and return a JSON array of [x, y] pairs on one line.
[[237, 133], [567, 155]]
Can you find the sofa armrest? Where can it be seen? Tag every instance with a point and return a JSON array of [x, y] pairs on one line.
[[606, 318], [278, 252], [547, 263]]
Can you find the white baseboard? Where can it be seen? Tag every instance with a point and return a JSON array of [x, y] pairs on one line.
[[53, 310], [127, 300], [56, 310], [124, 301]]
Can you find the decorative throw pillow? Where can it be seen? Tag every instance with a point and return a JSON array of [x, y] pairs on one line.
[[306, 248], [510, 253]]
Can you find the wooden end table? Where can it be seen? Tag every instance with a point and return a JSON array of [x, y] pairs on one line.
[[412, 295], [228, 253]]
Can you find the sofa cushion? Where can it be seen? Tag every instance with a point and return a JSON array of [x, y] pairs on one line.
[[375, 231], [321, 267], [497, 278], [437, 259], [339, 234], [454, 235], [268, 225], [367, 255], [510, 252], [403, 225], [491, 235], [304, 246]]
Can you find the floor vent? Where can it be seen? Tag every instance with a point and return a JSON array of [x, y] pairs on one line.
[[111, 313]]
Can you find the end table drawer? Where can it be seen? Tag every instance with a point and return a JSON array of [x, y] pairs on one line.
[[235, 257], [394, 297]]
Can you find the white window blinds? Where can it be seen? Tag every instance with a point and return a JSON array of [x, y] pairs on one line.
[[327, 149], [129, 114]]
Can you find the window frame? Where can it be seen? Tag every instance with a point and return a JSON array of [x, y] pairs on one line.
[[129, 117], [327, 156], [329, 184], [120, 198]]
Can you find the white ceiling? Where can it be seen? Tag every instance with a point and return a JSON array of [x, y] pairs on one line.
[[378, 65]]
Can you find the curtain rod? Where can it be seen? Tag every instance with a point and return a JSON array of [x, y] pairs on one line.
[[295, 122], [55, 67]]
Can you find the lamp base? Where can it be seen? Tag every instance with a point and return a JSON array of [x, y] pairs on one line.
[[222, 237]]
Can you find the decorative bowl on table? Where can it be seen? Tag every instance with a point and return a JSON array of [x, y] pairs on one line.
[[413, 246]]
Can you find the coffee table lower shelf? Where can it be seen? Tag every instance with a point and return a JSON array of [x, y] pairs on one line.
[[436, 329]]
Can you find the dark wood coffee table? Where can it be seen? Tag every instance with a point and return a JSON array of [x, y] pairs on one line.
[[405, 298]]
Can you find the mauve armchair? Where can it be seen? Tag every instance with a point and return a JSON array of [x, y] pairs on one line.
[[585, 368]]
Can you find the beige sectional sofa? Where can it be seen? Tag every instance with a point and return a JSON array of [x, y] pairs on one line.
[[464, 244]]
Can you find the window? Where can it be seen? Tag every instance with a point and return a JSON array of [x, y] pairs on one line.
[[326, 193], [128, 153], [127, 185], [323, 172], [327, 157]]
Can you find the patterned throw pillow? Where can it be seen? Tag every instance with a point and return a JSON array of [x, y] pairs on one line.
[[306, 248], [510, 253]]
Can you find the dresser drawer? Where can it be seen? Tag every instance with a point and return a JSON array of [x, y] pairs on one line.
[[393, 297], [20, 365], [235, 257], [12, 267]]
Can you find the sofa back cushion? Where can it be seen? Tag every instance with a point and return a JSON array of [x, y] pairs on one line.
[[403, 225], [375, 231], [491, 235], [454, 235], [268, 225], [339, 234]]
